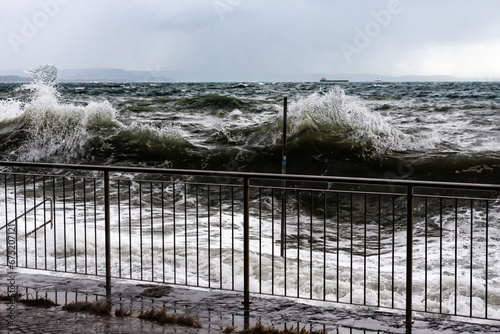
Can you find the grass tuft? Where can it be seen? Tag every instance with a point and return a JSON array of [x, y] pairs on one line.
[[39, 302], [121, 312], [229, 329], [163, 318], [98, 307], [6, 298], [260, 329]]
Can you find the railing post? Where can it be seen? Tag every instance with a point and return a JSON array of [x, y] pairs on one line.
[[246, 242], [409, 257], [107, 233], [283, 171]]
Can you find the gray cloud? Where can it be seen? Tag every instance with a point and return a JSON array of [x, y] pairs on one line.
[[254, 39]]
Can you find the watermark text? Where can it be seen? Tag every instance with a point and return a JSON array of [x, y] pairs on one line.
[[372, 29], [31, 26]]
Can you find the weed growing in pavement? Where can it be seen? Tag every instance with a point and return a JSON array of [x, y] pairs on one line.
[[163, 318], [260, 329], [121, 312], [38, 302], [97, 307]]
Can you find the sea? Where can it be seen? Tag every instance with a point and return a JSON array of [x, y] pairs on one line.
[[437, 131], [445, 131]]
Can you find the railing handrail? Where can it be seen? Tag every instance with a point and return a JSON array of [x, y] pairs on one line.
[[259, 175], [32, 209]]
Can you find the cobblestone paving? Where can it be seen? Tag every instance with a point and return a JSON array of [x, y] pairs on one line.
[[215, 310]]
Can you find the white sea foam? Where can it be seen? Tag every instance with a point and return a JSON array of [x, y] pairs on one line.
[[341, 115]]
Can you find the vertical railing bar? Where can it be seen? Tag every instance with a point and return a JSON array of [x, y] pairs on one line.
[[426, 222], [393, 246], [174, 232], [338, 246], [260, 240], [298, 242], [379, 249], [162, 184], [74, 224], [119, 202], [440, 255], [456, 254], [471, 251], [34, 222], [197, 237], [283, 239], [311, 249], [409, 257], [44, 192], [152, 231], [232, 237], [220, 237], [246, 243], [208, 236], [130, 226], [351, 251], [85, 222], [64, 229], [140, 228], [107, 233], [185, 235], [365, 222], [95, 224], [324, 245], [272, 241], [487, 268]]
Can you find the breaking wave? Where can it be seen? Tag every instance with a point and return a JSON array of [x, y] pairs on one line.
[[334, 116], [44, 129]]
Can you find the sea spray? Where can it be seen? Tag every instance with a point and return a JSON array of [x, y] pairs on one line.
[[60, 132], [336, 114]]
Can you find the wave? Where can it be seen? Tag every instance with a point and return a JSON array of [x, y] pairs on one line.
[[334, 116], [46, 130], [213, 101], [329, 133]]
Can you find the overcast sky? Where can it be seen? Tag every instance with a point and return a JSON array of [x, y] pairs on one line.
[[221, 40]]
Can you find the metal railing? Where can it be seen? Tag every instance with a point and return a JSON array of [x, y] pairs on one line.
[[410, 245]]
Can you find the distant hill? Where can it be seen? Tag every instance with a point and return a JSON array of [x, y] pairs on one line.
[[111, 75], [14, 78], [94, 75], [119, 75]]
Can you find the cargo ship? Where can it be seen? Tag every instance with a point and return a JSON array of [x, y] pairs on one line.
[[326, 80]]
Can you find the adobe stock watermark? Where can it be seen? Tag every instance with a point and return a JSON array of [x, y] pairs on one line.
[[224, 6], [32, 26], [11, 275], [372, 29]]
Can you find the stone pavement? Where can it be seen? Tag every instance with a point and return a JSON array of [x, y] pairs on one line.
[[216, 311]]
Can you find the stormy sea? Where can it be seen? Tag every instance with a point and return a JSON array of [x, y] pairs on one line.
[[419, 130]]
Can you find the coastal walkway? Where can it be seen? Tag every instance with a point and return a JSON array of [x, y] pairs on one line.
[[216, 311]]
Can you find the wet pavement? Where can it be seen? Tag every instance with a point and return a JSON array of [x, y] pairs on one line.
[[217, 311]]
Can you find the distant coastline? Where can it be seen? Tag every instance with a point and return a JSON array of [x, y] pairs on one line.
[[120, 75], [14, 78]]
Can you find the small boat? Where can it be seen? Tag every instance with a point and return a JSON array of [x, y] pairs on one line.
[[326, 80], [378, 79]]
